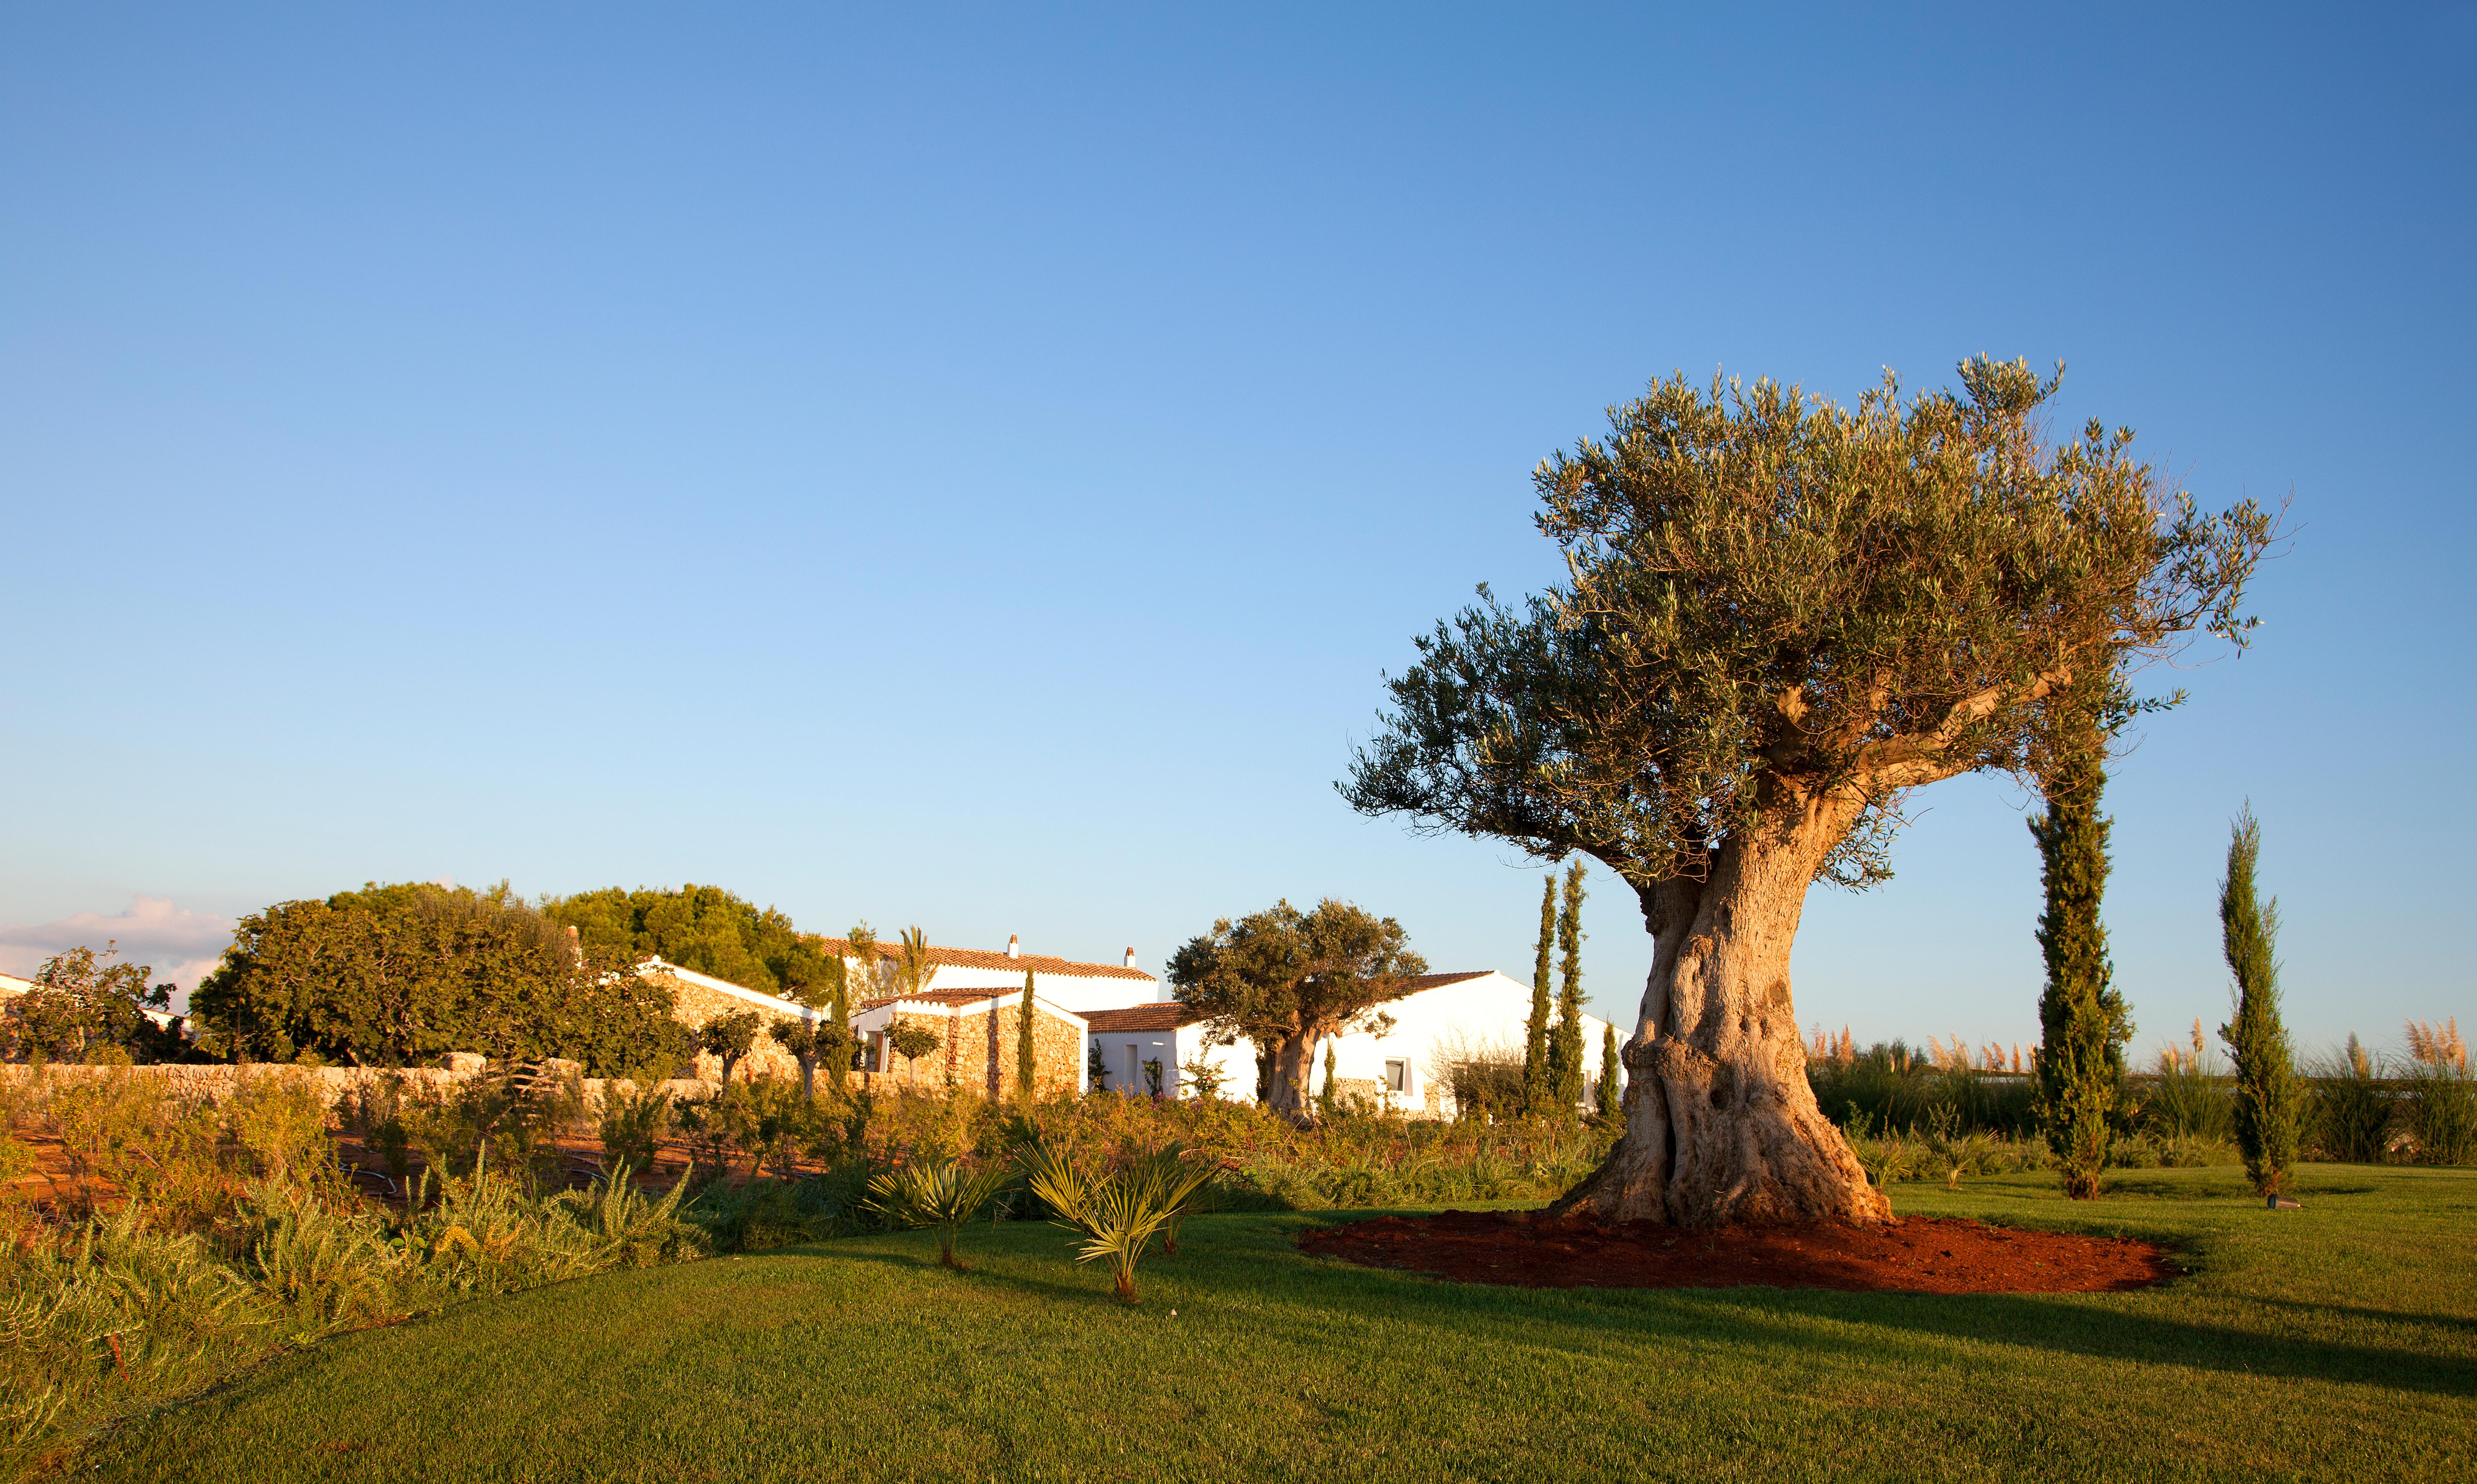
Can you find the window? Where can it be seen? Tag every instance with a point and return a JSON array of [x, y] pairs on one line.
[[1397, 1076]]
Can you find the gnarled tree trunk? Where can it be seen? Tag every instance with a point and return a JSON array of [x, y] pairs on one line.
[[1720, 1126], [1293, 1066]]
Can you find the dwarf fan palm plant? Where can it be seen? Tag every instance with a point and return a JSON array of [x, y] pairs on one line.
[[942, 1197], [1120, 1213]]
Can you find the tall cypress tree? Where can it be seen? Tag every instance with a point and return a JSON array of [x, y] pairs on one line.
[[1537, 1083], [2267, 1090], [1612, 1101], [1566, 1055], [2082, 1019], [1026, 1065]]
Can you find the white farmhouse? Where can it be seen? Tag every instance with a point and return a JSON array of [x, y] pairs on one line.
[[1446, 1018]]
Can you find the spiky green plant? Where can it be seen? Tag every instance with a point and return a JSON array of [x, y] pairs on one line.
[[2266, 1091], [1120, 1213], [941, 1196]]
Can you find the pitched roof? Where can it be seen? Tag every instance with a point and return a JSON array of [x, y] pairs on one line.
[[942, 997], [983, 958], [1161, 1015]]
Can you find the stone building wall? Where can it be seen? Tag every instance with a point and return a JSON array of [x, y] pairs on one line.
[[697, 1004], [976, 1053]]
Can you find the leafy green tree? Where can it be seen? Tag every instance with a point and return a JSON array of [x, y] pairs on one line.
[[913, 1041], [1326, 1094], [81, 1002], [399, 975], [2083, 1023], [731, 1036], [702, 927], [1565, 1053], [1781, 616], [2268, 1094], [1612, 1100], [1288, 979], [1027, 1065], [1538, 1078], [912, 969]]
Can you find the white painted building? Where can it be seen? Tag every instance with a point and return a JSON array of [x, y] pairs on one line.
[[1446, 1017], [1061, 981]]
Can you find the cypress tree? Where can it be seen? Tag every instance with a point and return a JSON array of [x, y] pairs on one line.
[[1538, 1086], [1612, 1095], [2082, 1019], [2267, 1090], [1026, 1066], [1325, 1098], [1568, 1053]]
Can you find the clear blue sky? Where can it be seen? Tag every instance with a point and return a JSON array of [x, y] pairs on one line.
[[972, 468]]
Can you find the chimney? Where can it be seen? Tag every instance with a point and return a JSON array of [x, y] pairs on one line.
[[575, 949], [1130, 955], [1013, 951]]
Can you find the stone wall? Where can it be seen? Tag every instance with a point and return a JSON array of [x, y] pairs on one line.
[[212, 1084], [976, 1053], [698, 1004]]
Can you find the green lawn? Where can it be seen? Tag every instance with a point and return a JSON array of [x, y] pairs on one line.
[[2337, 1342]]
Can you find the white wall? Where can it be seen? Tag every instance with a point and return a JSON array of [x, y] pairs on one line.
[[1075, 991], [1124, 1054], [1492, 1007]]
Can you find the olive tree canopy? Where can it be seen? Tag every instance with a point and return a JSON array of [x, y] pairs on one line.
[[1780, 616]]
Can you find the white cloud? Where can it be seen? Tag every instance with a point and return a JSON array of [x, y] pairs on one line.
[[181, 945]]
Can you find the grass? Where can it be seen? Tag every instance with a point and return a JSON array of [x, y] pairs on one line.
[[2339, 1340]]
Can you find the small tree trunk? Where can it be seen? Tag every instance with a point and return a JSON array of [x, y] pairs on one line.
[[1720, 1126]]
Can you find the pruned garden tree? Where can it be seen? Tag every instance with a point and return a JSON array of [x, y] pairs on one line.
[[1781, 616], [2266, 1085], [1612, 1081], [1027, 1060], [730, 1037], [1286, 980]]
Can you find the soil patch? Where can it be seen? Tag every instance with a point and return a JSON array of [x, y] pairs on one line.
[[1921, 1254]]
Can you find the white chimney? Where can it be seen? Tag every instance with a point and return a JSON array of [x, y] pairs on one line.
[[1013, 949], [1130, 955]]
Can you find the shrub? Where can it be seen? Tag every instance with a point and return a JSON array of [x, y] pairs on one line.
[[941, 1196], [2348, 1110], [2441, 1109], [1118, 1212]]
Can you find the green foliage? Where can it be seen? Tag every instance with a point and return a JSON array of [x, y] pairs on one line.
[[1887, 1087], [730, 1036], [1778, 606], [1611, 1088], [2266, 1101], [1286, 980], [1538, 1077], [397, 975], [1565, 1046], [912, 1042], [1027, 1065], [1118, 1212], [632, 1127], [82, 1007], [2081, 1018], [941, 1196], [2439, 1113], [2348, 1110], [1326, 1096], [702, 927]]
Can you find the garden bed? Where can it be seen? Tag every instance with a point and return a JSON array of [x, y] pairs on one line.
[[1918, 1254]]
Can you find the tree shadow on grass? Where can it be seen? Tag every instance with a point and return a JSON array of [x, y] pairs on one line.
[[2054, 1324]]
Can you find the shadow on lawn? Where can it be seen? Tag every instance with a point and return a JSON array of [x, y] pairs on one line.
[[2065, 1325]]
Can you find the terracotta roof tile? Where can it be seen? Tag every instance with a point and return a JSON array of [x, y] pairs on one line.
[[981, 958], [1163, 1015], [943, 997]]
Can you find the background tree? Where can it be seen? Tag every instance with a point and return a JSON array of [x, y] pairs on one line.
[[1325, 1096], [1781, 616], [2266, 1087], [702, 927], [912, 969], [2082, 1019], [81, 1002], [1612, 1098], [730, 1036], [1566, 1050], [1538, 1077], [1027, 1065], [396, 976], [1288, 979]]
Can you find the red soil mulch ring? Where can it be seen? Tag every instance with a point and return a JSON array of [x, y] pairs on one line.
[[1921, 1254]]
